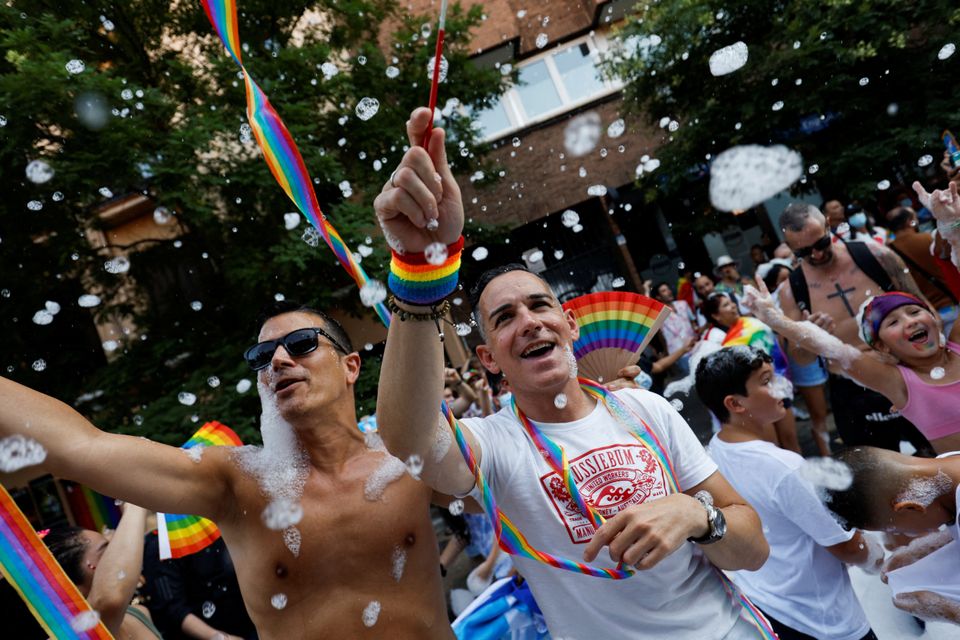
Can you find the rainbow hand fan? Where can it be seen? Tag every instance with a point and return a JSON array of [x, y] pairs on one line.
[[615, 328], [180, 535]]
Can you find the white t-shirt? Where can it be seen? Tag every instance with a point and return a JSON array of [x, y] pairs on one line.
[[681, 598], [678, 327], [802, 584]]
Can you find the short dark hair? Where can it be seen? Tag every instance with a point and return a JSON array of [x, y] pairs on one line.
[[857, 506], [899, 217], [334, 328], [68, 545], [662, 283], [725, 373], [796, 215], [773, 275], [712, 304]]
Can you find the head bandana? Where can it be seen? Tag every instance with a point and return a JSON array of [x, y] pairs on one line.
[[875, 309]]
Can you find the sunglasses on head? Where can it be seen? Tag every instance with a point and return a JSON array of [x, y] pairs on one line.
[[819, 245], [296, 343]]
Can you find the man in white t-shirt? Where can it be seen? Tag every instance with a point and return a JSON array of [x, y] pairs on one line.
[[676, 591], [677, 330], [803, 588], [918, 497]]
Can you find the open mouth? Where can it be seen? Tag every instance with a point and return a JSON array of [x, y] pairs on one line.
[[283, 384], [919, 336], [537, 350]]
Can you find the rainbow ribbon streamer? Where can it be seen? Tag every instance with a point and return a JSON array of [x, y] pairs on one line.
[[180, 535], [29, 566], [279, 150]]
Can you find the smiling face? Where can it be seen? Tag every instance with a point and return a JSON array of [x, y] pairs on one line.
[[909, 332], [306, 385], [727, 313], [761, 403], [526, 333], [703, 285]]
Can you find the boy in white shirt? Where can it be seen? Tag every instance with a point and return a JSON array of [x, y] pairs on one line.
[[803, 588]]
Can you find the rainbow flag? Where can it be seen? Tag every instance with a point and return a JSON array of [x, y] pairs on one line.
[[29, 566], [180, 535], [91, 510], [749, 331], [685, 291]]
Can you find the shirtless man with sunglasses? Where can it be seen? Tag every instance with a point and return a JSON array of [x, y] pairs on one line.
[[367, 565], [837, 288]]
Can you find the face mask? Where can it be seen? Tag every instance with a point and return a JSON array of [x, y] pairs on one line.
[[858, 220], [505, 399]]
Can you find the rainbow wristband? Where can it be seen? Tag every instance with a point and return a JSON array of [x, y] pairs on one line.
[[415, 281]]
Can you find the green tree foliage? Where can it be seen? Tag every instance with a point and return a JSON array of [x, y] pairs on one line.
[[158, 109], [867, 72]]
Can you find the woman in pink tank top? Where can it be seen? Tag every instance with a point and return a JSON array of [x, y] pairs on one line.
[[911, 361]]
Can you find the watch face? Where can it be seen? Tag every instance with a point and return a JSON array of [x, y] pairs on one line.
[[718, 525]]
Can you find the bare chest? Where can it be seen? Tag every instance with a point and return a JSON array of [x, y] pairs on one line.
[[839, 293]]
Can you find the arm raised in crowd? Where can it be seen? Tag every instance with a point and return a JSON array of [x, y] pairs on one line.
[[862, 366], [945, 206], [118, 569], [418, 206], [156, 476]]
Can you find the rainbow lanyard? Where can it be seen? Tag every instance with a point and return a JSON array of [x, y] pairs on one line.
[[279, 150], [511, 539]]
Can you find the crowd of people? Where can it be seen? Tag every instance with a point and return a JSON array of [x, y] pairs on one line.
[[600, 499]]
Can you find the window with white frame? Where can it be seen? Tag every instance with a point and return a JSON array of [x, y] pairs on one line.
[[550, 84]]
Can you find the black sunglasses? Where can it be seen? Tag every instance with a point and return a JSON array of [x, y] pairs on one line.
[[297, 343], [819, 245]]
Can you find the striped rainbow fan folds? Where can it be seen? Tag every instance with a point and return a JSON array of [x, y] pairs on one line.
[[180, 535], [615, 328]]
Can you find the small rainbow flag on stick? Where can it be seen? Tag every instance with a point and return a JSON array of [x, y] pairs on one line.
[[180, 535], [29, 566], [615, 328]]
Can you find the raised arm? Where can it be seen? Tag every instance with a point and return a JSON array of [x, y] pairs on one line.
[[418, 206], [153, 475], [860, 365], [945, 206], [118, 570]]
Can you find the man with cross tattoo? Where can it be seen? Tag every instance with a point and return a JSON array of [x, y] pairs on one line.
[[838, 278]]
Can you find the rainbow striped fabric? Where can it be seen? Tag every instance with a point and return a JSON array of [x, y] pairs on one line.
[[413, 279], [615, 319], [90, 509], [28, 565], [180, 535], [749, 331], [279, 150]]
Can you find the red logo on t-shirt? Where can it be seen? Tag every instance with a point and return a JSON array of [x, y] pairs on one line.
[[610, 479]]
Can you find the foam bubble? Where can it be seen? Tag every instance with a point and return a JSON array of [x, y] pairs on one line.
[[367, 108], [373, 292], [389, 471], [18, 451], [571, 362], [826, 474], [781, 387], [414, 466], [937, 373], [569, 218], [480, 253], [728, 59], [399, 560], [560, 400], [444, 68], [42, 317], [456, 507], [208, 609], [371, 613], [186, 398], [744, 176], [435, 253], [292, 539], [282, 514], [75, 66], [278, 600], [582, 134], [39, 172], [88, 300], [85, 621], [677, 404], [291, 220]]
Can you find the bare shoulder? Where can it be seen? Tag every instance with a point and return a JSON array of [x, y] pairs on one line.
[[788, 304], [896, 269]]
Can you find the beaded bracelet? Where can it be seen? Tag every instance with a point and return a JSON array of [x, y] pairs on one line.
[[437, 313], [416, 281]]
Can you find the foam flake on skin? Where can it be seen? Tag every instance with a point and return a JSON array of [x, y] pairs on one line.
[[560, 400], [443, 440], [781, 387], [571, 362], [282, 514], [292, 539], [195, 453], [370, 613], [414, 466], [925, 490], [399, 559], [85, 621], [278, 601], [389, 471]]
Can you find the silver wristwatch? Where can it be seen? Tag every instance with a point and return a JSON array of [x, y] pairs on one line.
[[717, 524]]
